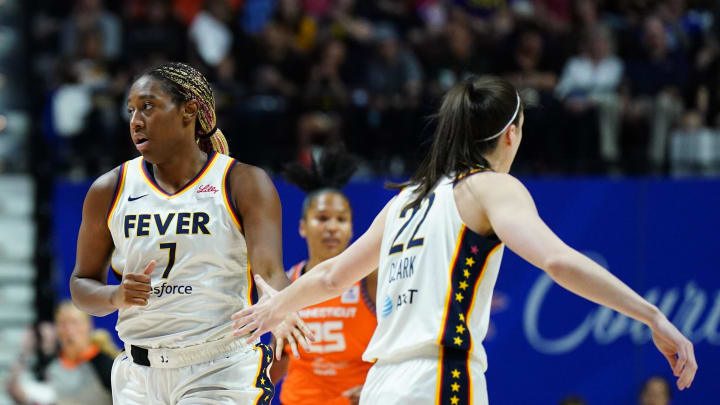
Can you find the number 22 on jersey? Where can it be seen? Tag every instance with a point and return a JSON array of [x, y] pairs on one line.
[[414, 240]]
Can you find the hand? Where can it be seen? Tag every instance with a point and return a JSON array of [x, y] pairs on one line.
[[353, 394], [671, 343], [262, 317], [134, 289]]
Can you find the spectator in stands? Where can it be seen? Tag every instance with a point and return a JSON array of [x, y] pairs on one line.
[[394, 83], [528, 68], [90, 15], [300, 28], [394, 74], [456, 56], [655, 391], [325, 88], [279, 68], [81, 372], [210, 34], [655, 83], [155, 33], [588, 89]]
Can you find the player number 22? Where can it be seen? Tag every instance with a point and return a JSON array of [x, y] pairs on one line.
[[397, 248]]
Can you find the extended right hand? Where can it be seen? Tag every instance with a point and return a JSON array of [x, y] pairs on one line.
[[134, 289], [677, 349]]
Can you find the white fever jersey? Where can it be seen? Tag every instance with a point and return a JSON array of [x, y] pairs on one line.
[[435, 282], [195, 236]]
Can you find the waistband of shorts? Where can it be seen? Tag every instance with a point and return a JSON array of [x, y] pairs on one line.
[[185, 356]]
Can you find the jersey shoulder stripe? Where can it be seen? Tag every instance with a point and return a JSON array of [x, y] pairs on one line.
[[227, 195], [118, 192]]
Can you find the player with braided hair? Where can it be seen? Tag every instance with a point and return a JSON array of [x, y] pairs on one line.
[[181, 225], [332, 372]]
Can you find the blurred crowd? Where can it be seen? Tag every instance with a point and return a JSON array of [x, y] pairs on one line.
[[616, 86], [67, 362]]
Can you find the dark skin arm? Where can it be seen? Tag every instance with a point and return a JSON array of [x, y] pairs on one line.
[[88, 282], [258, 203], [371, 282]]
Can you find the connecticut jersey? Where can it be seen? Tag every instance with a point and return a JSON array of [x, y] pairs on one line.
[[343, 326], [435, 284], [202, 274]]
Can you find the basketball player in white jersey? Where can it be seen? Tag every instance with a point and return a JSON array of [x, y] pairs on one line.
[[181, 225], [439, 244]]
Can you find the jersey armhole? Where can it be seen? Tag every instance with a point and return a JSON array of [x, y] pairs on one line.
[[227, 195], [366, 296], [119, 184]]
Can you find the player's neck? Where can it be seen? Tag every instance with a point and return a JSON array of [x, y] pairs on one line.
[[313, 261], [498, 163], [179, 169]]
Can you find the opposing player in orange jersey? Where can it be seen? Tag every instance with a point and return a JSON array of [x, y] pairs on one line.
[[332, 372]]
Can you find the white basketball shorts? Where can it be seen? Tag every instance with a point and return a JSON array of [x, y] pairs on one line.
[[450, 380], [239, 377]]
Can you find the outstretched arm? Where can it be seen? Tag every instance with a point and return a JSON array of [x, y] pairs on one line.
[[328, 279], [512, 215], [257, 201]]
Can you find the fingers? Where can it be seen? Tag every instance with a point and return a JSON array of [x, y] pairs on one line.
[[133, 285], [300, 337], [672, 360], [241, 314], [137, 277], [293, 346], [680, 363], [137, 301], [688, 372], [150, 267], [242, 329], [307, 333], [256, 335], [265, 287], [279, 347]]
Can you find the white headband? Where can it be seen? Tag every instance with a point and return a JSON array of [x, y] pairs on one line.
[[517, 108]]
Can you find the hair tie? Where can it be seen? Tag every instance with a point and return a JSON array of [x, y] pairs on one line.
[[209, 134]]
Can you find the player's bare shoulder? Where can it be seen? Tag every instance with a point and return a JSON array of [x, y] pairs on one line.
[[247, 181], [102, 190], [478, 193]]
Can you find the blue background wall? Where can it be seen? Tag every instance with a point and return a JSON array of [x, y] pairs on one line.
[[659, 236]]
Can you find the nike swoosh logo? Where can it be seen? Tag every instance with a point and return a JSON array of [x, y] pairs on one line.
[[131, 198]]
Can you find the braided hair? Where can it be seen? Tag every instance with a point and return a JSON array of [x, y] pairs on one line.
[[328, 173], [184, 83]]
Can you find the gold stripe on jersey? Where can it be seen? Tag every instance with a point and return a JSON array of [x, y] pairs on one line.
[[454, 375], [118, 192], [154, 186], [252, 292], [477, 283], [445, 313], [262, 381], [227, 198], [470, 173]]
